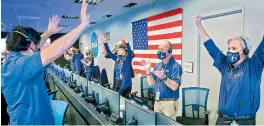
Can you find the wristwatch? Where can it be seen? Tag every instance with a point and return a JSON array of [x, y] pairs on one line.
[[164, 77]]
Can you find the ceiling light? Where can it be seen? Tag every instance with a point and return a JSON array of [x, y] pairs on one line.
[[130, 5], [107, 16], [93, 22], [70, 17], [92, 2]]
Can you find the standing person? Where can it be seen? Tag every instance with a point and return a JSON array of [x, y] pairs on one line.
[[77, 57], [22, 72], [239, 96], [88, 63], [72, 60], [122, 44], [122, 71], [167, 79]]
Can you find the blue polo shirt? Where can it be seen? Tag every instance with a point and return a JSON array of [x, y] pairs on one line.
[[25, 91], [240, 87], [72, 63], [124, 66], [173, 71], [77, 61], [89, 69]]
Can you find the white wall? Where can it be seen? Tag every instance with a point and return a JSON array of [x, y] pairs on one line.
[[120, 27]]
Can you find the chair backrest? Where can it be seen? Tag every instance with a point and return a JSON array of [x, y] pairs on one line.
[[103, 77], [146, 90], [52, 94], [96, 73], [194, 102], [59, 110]]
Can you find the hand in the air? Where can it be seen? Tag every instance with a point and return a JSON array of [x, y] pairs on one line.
[[197, 18], [85, 19], [53, 27]]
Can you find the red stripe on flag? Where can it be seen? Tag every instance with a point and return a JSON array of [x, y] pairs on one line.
[[165, 14], [139, 63], [165, 26], [174, 46], [140, 71], [165, 36], [154, 56]]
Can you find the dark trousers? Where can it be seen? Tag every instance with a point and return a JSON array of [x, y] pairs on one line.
[[222, 121], [89, 76], [125, 92]]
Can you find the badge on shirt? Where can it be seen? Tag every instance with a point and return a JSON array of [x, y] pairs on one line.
[[157, 96]]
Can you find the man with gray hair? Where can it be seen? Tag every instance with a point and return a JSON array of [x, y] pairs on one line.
[[239, 96]]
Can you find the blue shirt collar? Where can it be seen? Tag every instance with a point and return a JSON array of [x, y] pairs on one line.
[[171, 60]]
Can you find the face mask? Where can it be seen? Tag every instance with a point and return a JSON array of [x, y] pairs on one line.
[[233, 57], [161, 55], [120, 57]]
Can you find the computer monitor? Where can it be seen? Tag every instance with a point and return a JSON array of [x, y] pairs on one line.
[[163, 120], [141, 101], [97, 89], [142, 115], [114, 100]]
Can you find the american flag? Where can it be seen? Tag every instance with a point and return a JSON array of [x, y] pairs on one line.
[[149, 32]]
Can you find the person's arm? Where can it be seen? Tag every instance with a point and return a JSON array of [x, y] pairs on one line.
[[203, 34], [114, 51], [59, 46], [175, 81], [129, 51], [260, 51], [147, 66], [53, 28], [111, 55], [133, 54], [209, 44]]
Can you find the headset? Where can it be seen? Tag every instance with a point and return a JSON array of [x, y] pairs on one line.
[[170, 49], [246, 50], [28, 39]]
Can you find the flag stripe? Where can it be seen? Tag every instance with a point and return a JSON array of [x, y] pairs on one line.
[[165, 20], [139, 64], [174, 46], [140, 71], [172, 41], [148, 33], [175, 51], [165, 31], [176, 57], [138, 59], [165, 14], [165, 36], [165, 26]]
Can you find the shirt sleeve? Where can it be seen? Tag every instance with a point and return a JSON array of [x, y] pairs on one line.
[[260, 52], [217, 55], [110, 54], [27, 67], [176, 74]]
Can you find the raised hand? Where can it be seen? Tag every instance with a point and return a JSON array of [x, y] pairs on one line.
[[125, 39], [85, 19], [146, 65], [53, 27], [197, 18], [103, 37]]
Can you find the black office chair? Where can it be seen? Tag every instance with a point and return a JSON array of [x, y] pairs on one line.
[[104, 79], [194, 106], [147, 92], [96, 74]]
